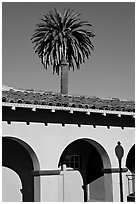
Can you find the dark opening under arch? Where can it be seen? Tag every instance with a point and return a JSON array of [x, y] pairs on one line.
[[93, 158], [130, 161], [130, 164]]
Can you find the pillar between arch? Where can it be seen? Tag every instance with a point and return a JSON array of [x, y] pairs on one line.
[[114, 172], [49, 184]]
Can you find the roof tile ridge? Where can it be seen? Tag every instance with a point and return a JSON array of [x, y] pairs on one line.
[[69, 95]]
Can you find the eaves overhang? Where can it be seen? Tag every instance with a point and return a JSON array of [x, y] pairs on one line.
[[88, 111], [48, 107]]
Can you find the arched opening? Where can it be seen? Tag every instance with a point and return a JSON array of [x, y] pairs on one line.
[[130, 161], [11, 185], [88, 158], [18, 156], [130, 164]]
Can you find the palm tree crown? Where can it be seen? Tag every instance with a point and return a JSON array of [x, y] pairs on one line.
[[63, 39]]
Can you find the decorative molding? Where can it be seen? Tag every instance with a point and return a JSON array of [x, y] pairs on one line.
[[104, 114], [119, 115], [13, 107], [33, 109], [9, 122], [53, 110], [71, 110], [94, 126], [88, 112]]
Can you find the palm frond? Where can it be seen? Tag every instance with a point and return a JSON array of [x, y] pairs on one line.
[[63, 37]]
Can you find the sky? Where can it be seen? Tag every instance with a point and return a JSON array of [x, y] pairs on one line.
[[110, 71]]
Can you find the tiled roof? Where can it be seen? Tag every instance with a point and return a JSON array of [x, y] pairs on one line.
[[57, 99]]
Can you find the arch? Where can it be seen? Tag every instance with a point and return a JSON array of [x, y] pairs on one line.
[[130, 161], [130, 164], [20, 157], [103, 154], [93, 159]]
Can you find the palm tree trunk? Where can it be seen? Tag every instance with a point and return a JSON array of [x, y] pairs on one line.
[[64, 78]]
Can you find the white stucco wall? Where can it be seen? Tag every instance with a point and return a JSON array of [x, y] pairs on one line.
[[48, 142]]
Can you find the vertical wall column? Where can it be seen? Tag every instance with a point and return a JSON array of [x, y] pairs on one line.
[[116, 187], [48, 185], [63, 168], [37, 189], [125, 186], [115, 183]]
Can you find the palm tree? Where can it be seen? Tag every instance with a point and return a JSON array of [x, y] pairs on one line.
[[63, 42]]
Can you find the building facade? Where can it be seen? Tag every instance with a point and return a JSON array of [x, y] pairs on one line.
[[63, 147]]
